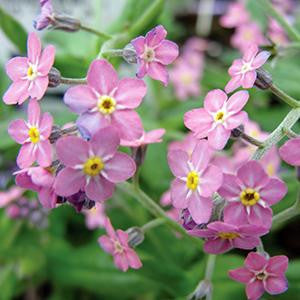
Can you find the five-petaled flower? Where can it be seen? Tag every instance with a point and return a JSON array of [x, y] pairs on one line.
[[33, 136], [196, 181], [250, 195], [106, 100], [154, 52], [29, 74], [218, 117], [243, 72], [93, 166], [116, 243], [262, 274]]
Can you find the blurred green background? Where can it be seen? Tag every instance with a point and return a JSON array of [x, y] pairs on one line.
[[63, 260]]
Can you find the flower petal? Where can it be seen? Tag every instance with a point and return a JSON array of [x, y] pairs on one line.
[[92, 122], [254, 290], [235, 213], [46, 125], [230, 188], [34, 47], [273, 191], [200, 208], [201, 155], [237, 101], [177, 160], [179, 192], [159, 72], [139, 44], [276, 285], [106, 243], [261, 216], [16, 68], [18, 130], [218, 137], [249, 79], [242, 275], [47, 60], [210, 181], [39, 87], [260, 59], [217, 246], [133, 259], [233, 83], [236, 120], [250, 53], [26, 156], [17, 92], [44, 153], [255, 262], [99, 189], [155, 36], [214, 100], [277, 265], [290, 153], [166, 52]]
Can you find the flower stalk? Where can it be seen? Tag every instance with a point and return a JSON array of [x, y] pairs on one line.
[[96, 32], [71, 81]]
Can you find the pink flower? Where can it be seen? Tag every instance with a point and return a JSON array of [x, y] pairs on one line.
[[150, 137], [262, 274], [242, 71], [106, 100], [276, 33], [222, 236], [271, 162], [218, 117], [195, 182], [166, 200], [40, 180], [154, 52], [95, 217], [116, 243], [236, 15], [44, 19], [247, 35], [187, 145], [224, 162], [29, 74], [290, 152], [250, 195], [33, 136], [94, 166], [6, 197]]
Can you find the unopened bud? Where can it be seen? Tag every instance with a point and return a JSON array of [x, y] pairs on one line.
[[138, 154], [65, 23], [54, 77], [263, 79], [237, 132], [129, 54], [136, 236], [55, 134], [203, 290]]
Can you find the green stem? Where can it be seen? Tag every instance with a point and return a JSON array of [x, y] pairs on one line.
[[270, 10], [291, 118], [283, 96], [250, 139], [260, 248], [112, 53], [210, 265], [65, 80], [155, 209], [152, 224], [290, 133], [96, 32]]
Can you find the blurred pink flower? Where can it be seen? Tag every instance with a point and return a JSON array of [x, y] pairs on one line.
[[116, 243], [262, 274], [12, 194], [43, 20], [95, 217], [271, 162], [250, 195], [276, 33], [236, 15], [106, 100], [166, 200], [247, 35], [218, 117], [33, 136], [223, 236], [243, 71], [195, 182], [187, 145], [29, 74], [290, 152], [224, 162], [154, 52], [93, 166]]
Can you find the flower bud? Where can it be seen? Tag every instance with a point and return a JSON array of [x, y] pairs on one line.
[[136, 236], [203, 291], [129, 54], [138, 154], [65, 23], [263, 79], [237, 132], [54, 77]]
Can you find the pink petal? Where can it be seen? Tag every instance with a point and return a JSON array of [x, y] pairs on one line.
[[47, 198], [179, 192], [159, 72], [219, 226], [252, 230], [250, 53], [143, 68], [154, 136], [252, 174], [218, 137], [69, 181], [248, 242], [16, 68], [236, 120], [199, 121], [210, 181], [166, 52], [121, 262], [80, 98], [261, 216], [109, 229], [44, 153], [123, 237], [200, 208], [26, 156], [277, 265], [276, 285], [255, 262], [92, 122], [34, 47], [177, 160], [201, 155], [260, 59], [217, 246], [214, 100], [46, 125], [106, 244], [155, 36], [254, 290], [39, 87], [273, 191], [290, 153], [242, 275], [105, 142], [99, 189], [24, 180], [204, 233], [249, 79], [128, 124], [47, 60], [139, 44], [235, 67], [34, 113], [17, 92], [130, 93], [233, 84], [42, 176], [72, 150], [18, 130], [133, 259], [230, 187], [102, 76], [237, 101], [119, 168], [235, 213]]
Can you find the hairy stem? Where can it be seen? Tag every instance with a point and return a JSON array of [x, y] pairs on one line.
[[96, 32], [283, 96], [152, 224], [65, 80], [290, 133]]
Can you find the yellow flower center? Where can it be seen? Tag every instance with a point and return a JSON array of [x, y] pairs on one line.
[[270, 169], [249, 197], [192, 180], [93, 166], [228, 235], [118, 247], [31, 73], [186, 79], [261, 276], [220, 116], [106, 105], [149, 55], [246, 67], [248, 35], [34, 135]]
